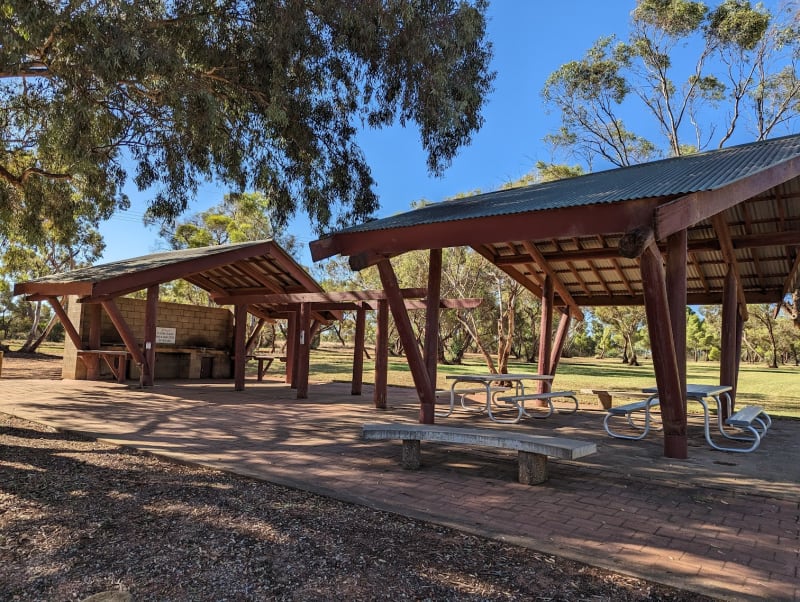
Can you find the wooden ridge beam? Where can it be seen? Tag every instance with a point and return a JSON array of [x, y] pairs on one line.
[[367, 295]]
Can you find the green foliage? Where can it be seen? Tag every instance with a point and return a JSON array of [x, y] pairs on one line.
[[744, 74], [262, 95]]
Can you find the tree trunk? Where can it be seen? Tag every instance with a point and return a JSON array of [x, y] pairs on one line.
[[33, 333]]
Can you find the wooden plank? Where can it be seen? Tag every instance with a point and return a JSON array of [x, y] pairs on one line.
[[728, 356], [560, 340], [726, 247]]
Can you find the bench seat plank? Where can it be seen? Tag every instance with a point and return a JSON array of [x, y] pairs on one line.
[[557, 447]]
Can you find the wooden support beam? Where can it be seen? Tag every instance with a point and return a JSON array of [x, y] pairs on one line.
[[406, 293], [726, 247], [150, 321], [425, 389], [69, 328], [381, 355], [729, 357], [303, 350], [677, 257], [432, 313], [92, 361], [545, 332], [358, 352], [560, 340], [558, 286], [291, 348], [131, 344], [239, 346], [671, 397], [253, 339]]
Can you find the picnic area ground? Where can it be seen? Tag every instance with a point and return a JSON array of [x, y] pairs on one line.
[[79, 516]]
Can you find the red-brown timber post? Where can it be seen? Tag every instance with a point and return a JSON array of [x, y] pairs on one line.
[[358, 352], [150, 322], [291, 348], [419, 372], [432, 313], [92, 362], [730, 335], [560, 340], [303, 350], [545, 332], [676, 289], [381, 355], [239, 345], [670, 393]]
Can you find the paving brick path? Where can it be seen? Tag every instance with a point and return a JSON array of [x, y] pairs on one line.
[[721, 524]]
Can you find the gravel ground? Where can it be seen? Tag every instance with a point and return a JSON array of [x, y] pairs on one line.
[[78, 517]]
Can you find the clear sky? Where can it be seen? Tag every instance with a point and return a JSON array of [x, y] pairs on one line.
[[531, 39]]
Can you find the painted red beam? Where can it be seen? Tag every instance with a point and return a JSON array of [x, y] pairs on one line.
[[693, 208], [532, 225], [368, 295]]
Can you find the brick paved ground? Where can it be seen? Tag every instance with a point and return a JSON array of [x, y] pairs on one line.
[[721, 524]]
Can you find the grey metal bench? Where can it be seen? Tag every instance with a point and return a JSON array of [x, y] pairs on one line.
[[450, 395], [626, 411], [743, 420], [533, 450], [519, 400]]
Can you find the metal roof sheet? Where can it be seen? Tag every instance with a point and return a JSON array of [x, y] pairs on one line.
[[672, 177]]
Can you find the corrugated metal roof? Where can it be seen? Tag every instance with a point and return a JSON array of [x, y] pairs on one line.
[[97, 273], [666, 178]]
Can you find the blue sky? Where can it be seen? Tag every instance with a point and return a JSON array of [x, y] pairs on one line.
[[531, 40]]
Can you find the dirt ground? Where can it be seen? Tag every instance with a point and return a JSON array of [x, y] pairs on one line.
[[78, 517]]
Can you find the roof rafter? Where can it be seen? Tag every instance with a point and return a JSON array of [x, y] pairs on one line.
[[726, 246], [558, 284]]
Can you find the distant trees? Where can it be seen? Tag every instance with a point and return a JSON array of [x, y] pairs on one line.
[[698, 73]]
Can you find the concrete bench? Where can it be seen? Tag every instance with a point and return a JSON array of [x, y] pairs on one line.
[[533, 450], [626, 411], [743, 420], [519, 400]]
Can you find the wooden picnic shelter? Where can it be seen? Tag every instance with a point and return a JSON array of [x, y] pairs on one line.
[[251, 268], [720, 227]]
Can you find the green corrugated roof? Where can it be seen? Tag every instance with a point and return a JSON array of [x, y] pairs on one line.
[[666, 178]]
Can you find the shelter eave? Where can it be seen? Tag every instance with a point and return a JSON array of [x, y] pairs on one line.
[[600, 219], [54, 289], [128, 283]]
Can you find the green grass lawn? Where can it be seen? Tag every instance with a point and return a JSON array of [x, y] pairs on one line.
[[777, 390]]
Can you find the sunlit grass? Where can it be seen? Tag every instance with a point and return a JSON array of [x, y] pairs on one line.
[[778, 390]]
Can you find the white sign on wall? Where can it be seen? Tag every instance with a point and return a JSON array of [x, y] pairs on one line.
[[165, 335]]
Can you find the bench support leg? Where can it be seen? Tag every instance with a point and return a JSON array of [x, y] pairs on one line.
[[532, 468], [411, 454]]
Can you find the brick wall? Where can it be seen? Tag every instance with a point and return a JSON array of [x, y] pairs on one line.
[[207, 332], [194, 326]]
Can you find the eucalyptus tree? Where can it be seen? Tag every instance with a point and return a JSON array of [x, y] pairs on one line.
[[695, 74], [262, 95]]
